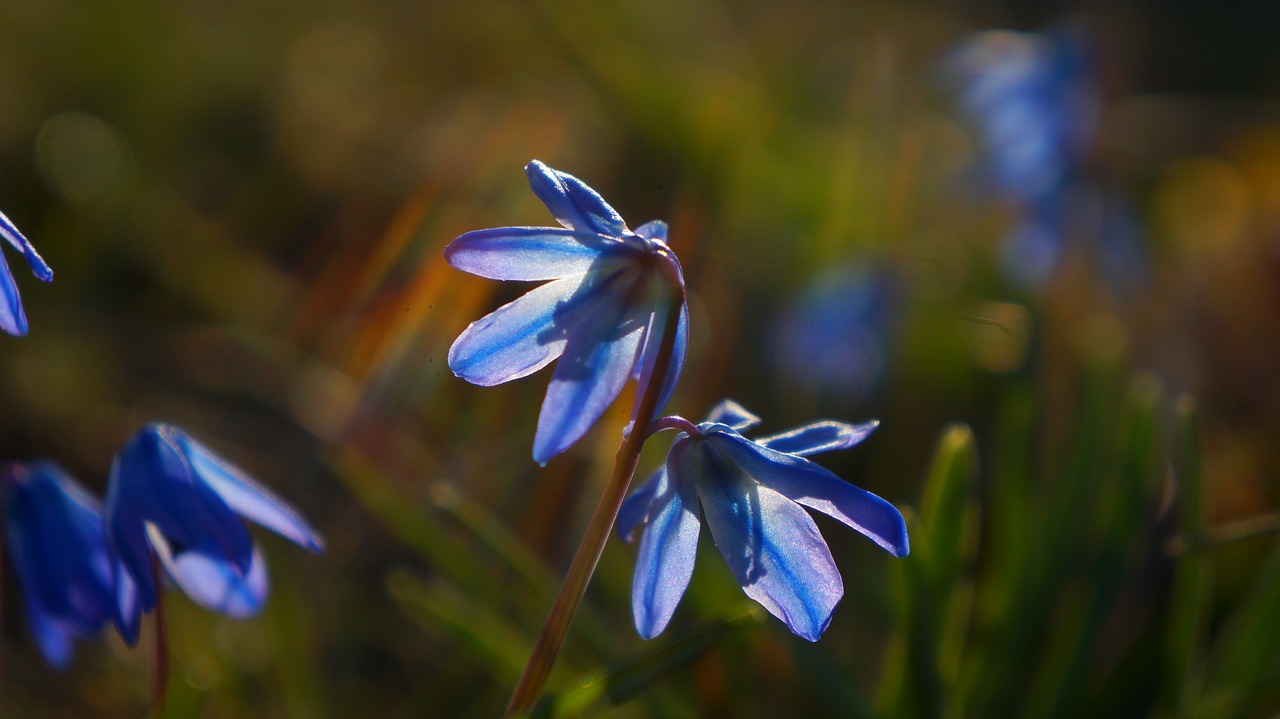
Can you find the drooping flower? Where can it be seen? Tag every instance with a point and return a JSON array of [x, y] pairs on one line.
[[603, 312], [171, 495], [13, 319], [751, 494], [65, 568]]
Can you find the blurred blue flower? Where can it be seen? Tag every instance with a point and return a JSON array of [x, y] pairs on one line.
[[832, 338], [602, 314], [1034, 100], [12, 317], [751, 494], [65, 568], [170, 495]]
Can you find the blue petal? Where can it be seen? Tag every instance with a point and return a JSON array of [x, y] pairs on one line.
[[732, 414], [652, 343], [653, 230], [818, 437], [597, 361], [13, 319], [214, 583], [128, 604], [574, 204], [635, 509], [664, 563], [813, 486], [56, 640], [520, 337], [530, 253], [153, 481], [55, 536], [248, 498], [39, 267], [136, 589], [771, 545]]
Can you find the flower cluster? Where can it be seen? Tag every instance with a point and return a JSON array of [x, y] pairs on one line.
[[602, 314], [171, 503], [1035, 103]]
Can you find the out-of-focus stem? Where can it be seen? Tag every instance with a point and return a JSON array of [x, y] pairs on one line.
[[543, 658], [160, 672], [2, 550], [1225, 534]]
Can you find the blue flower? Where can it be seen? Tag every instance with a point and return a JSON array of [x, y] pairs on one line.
[[12, 317], [65, 568], [751, 494], [1035, 101], [170, 495], [832, 339], [1032, 98], [603, 313]]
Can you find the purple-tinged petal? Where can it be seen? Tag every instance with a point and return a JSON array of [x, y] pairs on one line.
[[135, 582], [214, 583], [55, 639], [664, 562], [653, 230], [39, 267], [522, 336], [13, 319], [635, 508], [55, 536], [823, 436], [248, 498], [153, 481], [813, 486], [596, 363], [531, 253], [652, 342], [771, 545], [128, 605], [733, 415], [574, 204]]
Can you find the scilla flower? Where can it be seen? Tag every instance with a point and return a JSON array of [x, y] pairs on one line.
[[65, 569], [751, 494], [170, 495], [12, 317], [602, 313], [831, 340]]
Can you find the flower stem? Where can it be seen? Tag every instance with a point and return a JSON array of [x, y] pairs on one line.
[[543, 658], [675, 422], [160, 672], [2, 557]]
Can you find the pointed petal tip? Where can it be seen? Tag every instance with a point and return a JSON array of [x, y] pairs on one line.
[[902, 547], [541, 457], [649, 630], [811, 636], [315, 544]]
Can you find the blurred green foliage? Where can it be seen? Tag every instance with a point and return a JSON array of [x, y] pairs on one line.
[[244, 204]]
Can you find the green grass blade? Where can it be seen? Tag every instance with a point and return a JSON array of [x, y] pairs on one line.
[[625, 679], [1193, 579]]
